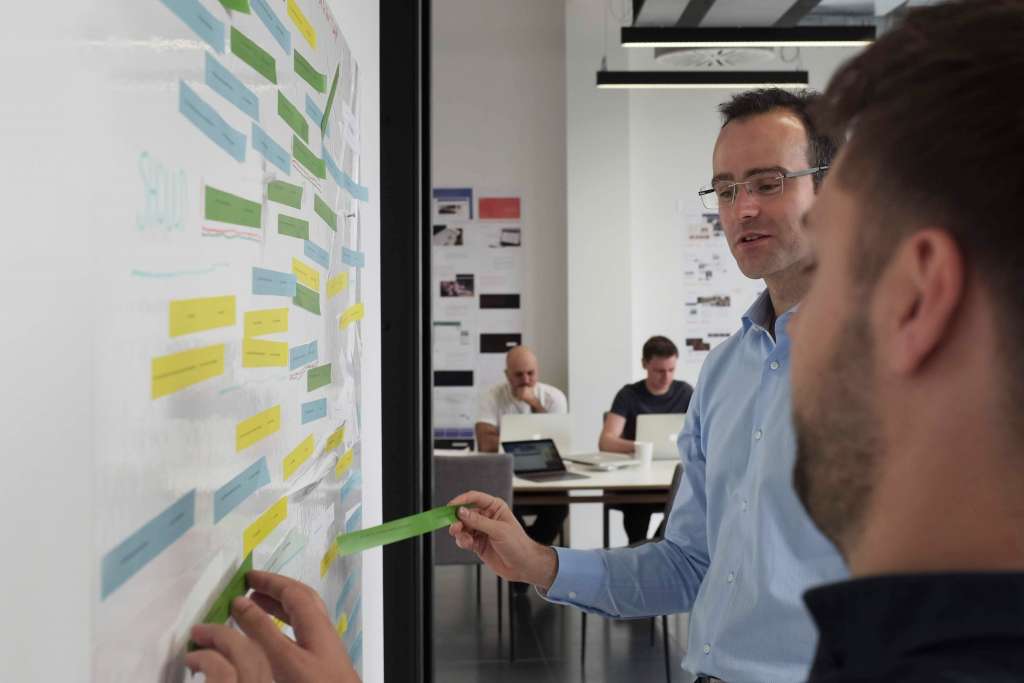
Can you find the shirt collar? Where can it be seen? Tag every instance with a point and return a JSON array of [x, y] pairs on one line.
[[867, 624], [760, 314]]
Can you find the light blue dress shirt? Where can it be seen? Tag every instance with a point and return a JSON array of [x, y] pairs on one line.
[[739, 550]]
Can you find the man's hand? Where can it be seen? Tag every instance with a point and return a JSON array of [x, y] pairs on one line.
[[527, 394], [316, 656], [493, 533]]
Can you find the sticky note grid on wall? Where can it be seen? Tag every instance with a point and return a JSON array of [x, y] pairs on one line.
[[230, 413]]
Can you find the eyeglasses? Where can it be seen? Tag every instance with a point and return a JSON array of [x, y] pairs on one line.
[[723, 192]]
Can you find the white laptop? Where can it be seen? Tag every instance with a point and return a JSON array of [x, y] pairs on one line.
[[662, 431], [536, 426]]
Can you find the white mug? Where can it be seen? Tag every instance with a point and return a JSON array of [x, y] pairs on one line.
[[643, 451]]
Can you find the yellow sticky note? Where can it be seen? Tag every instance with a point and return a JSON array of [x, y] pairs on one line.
[[267, 321], [306, 274], [257, 353], [301, 23], [328, 559], [299, 455], [267, 522], [343, 624], [196, 315], [344, 462], [337, 284], [257, 427], [335, 439], [179, 370], [352, 314]]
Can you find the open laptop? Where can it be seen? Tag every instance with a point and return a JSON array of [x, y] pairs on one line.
[[663, 431], [535, 426], [538, 460]]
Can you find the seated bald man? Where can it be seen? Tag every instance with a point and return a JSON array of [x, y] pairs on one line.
[[521, 394]]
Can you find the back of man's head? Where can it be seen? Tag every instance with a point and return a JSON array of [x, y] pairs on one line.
[[934, 116], [821, 147]]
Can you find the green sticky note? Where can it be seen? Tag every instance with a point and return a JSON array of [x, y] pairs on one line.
[[318, 377], [305, 156], [285, 193], [325, 212], [221, 610], [293, 227], [306, 72], [253, 55], [330, 101], [306, 298], [292, 116], [230, 208], [397, 530], [239, 5]]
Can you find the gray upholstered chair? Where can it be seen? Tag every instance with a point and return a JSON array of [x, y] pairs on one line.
[[455, 474]]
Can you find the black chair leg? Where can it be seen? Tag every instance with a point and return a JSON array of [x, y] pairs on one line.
[[501, 600], [583, 642], [607, 535], [478, 587], [664, 637], [511, 625]]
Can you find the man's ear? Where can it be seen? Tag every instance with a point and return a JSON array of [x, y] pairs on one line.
[[917, 297]]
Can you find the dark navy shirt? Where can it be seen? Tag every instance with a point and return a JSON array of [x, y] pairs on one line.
[[634, 399]]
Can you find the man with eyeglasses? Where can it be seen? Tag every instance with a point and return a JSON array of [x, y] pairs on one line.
[[739, 550]]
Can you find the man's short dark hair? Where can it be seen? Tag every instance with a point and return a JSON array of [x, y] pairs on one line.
[[933, 113], [821, 148], [659, 347]]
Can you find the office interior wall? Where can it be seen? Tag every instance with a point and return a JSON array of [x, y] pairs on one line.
[[498, 125]]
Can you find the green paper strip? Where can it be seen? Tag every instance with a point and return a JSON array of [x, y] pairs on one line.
[[325, 212], [292, 227], [253, 55], [285, 193], [305, 156], [230, 208], [398, 530], [221, 610], [239, 5], [292, 116], [306, 298], [318, 377], [306, 71], [330, 101]]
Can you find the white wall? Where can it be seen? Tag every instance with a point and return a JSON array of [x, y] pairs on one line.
[[498, 124]]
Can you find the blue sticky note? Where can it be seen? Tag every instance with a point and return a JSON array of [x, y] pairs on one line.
[[345, 591], [340, 177], [231, 495], [272, 282], [350, 257], [355, 650], [350, 485], [302, 355], [136, 551], [273, 152], [273, 24], [318, 254], [354, 522], [314, 113], [314, 410], [227, 85], [199, 19], [210, 122]]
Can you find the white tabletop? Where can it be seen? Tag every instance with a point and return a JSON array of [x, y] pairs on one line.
[[656, 475]]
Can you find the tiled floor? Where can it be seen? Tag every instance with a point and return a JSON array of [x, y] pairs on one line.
[[467, 645]]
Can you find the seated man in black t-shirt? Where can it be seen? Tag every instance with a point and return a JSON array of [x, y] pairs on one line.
[[659, 393]]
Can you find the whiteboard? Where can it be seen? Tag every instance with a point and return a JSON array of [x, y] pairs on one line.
[[225, 410]]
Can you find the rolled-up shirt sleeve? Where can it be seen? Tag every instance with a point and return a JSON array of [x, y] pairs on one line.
[[655, 578]]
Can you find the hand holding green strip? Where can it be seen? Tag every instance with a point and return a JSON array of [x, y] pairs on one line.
[[398, 530]]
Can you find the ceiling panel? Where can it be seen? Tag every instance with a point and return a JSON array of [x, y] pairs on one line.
[[659, 12], [746, 12]]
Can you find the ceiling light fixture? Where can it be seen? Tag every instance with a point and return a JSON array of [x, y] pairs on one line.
[[720, 80], [797, 36]]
